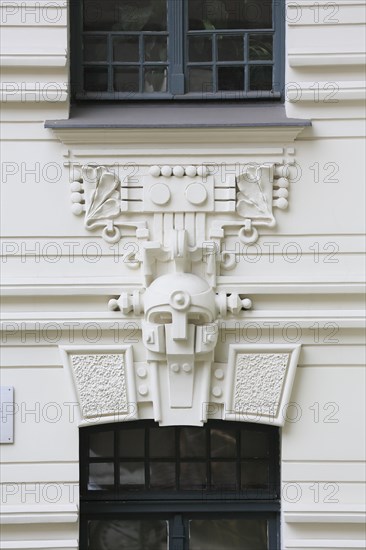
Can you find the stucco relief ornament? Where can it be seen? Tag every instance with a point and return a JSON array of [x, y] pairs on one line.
[[180, 215]]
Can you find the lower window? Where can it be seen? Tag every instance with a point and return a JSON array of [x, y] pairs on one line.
[[145, 487]]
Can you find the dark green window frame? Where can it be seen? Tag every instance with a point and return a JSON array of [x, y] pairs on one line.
[[249, 501], [177, 65]]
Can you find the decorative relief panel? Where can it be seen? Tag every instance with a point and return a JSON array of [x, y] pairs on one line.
[[179, 216], [261, 381], [102, 381]]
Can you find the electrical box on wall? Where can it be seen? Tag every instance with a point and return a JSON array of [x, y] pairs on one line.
[[7, 414]]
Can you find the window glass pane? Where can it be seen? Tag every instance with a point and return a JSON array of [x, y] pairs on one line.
[[260, 47], [132, 443], [162, 475], [200, 80], [162, 442], [126, 79], [254, 475], [125, 15], [129, 534], [228, 534], [192, 443], [254, 444], [155, 79], [199, 48], [101, 476], [230, 48], [126, 48], [101, 444], [223, 443], [260, 77], [193, 476], [96, 79], [223, 476], [131, 475], [95, 48], [155, 48], [230, 78], [229, 14]]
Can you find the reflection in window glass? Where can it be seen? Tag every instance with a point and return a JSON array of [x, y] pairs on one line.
[[162, 442], [223, 443], [117, 15], [101, 444], [199, 48], [229, 14], [260, 47], [260, 77], [230, 78], [254, 475], [223, 476], [193, 476], [228, 534], [230, 48], [126, 79], [101, 476], [96, 79], [192, 443], [126, 48], [131, 474], [162, 475], [155, 48], [132, 443], [131, 534], [95, 48], [155, 79], [254, 444], [200, 80]]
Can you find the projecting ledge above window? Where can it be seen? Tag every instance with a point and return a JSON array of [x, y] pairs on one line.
[[154, 122]]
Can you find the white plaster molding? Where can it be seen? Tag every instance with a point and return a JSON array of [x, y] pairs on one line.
[[45, 544], [52, 513], [33, 92], [268, 135], [337, 514], [327, 59], [26, 60], [327, 92], [260, 382], [331, 544], [102, 382]]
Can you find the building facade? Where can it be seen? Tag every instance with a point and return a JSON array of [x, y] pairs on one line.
[[183, 278]]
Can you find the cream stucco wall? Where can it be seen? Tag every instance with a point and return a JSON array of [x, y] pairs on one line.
[[305, 277]]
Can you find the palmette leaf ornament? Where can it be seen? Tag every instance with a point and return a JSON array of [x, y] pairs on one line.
[[105, 200], [251, 193]]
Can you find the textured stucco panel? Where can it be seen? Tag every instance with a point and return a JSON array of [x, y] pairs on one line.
[[259, 382], [101, 383]]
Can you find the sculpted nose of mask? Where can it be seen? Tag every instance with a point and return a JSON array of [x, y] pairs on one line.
[[180, 302]]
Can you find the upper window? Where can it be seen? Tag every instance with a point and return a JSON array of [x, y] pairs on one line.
[[177, 49]]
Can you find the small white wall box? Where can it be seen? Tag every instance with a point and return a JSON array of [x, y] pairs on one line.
[[7, 414]]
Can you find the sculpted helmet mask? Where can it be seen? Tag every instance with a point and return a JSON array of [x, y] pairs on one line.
[[180, 315]]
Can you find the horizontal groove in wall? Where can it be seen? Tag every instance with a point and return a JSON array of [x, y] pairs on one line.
[[52, 513], [324, 471], [41, 472], [40, 544], [330, 544], [115, 286], [27, 61], [328, 59]]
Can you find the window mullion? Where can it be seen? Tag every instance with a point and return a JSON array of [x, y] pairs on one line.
[[176, 45]]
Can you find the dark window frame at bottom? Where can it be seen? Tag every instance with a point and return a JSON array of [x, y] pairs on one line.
[[177, 506]]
